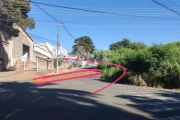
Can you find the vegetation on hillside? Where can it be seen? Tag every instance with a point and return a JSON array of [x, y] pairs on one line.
[[157, 65]]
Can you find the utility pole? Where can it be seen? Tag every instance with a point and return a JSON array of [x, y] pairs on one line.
[[77, 55], [58, 43]]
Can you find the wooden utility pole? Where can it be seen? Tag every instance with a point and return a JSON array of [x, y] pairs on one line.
[[58, 43]]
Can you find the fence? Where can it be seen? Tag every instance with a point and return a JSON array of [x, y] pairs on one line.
[[24, 64], [34, 64]]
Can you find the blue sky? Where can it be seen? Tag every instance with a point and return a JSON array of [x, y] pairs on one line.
[[105, 29]]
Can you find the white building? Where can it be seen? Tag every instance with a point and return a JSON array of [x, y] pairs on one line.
[[63, 52], [50, 51]]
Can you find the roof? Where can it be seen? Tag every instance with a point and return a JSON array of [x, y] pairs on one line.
[[24, 31], [48, 46]]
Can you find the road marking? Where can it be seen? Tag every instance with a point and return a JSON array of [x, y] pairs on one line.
[[40, 97], [164, 109], [140, 98], [160, 103], [137, 95], [35, 100], [131, 92], [170, 118], [12, 113], [148, 95]]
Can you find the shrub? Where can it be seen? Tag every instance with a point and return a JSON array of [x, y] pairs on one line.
[[59, 62]]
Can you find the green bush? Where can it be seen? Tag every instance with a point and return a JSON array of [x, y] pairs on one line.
[[70, 67], [101, 66], [168, 74], [157, 65], [59, 62]]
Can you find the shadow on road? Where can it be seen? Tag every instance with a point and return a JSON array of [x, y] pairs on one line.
[[25, 101], [157, 107]]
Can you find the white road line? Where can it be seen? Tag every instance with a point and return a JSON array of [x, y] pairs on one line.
[[12, 113], [35, 100], [164, 109], [170, 118], [160, 103], [48, 93], [40, 97], [138, 95], [140, 98], [148, 95], [131, 92]]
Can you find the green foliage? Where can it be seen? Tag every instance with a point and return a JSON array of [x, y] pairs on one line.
[[86, 42], [101, 66], [102, 55], [168, 74], [70, 67], [16, 11], [164, 52], [109, 72], [59, 62], [126, 43], [140, 61], [157, 65]]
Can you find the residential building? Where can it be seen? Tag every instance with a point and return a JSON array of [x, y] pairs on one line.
[[50, 49], [46, 53], [13, 49], [63, 52]]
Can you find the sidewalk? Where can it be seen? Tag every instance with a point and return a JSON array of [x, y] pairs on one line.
[[27, 75], [7, 73], [21, 75]]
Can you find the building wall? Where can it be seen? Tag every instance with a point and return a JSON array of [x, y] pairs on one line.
[[11, 48], [4, 48], [18, 42], [63, 51], [43, 63]]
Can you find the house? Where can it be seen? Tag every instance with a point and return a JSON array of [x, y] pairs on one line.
[[50, 51], [46, 53], [13, 49], [63, 52], [72, 57]]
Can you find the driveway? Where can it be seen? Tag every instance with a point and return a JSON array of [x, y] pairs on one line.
[[73, 100]]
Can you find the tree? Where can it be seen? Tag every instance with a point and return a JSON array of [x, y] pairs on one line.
[[84, 42], [15, 11], [126, 43]]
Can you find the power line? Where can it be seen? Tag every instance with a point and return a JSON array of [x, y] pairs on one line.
[[46, 13], [107, 15], [32, 35], [95, 8], [101, 12], [96, 11], [165, 6], [117, 11], [55, 20], [98, 22], [41, 37]]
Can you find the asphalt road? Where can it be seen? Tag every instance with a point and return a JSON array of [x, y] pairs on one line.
[[73, 100]]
